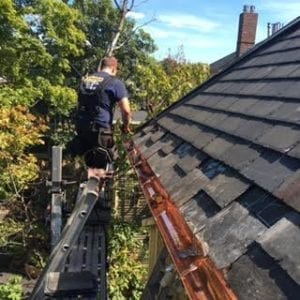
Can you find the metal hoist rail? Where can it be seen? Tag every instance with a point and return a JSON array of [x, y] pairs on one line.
[[77, 264]]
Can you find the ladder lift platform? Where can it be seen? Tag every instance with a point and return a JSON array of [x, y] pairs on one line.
[[77, 263]]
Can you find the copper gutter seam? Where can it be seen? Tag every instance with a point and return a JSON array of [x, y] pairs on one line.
[[199, 275]]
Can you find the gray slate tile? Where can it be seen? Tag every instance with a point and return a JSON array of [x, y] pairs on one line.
[[296, 73], [168, 176], [191, 161], [256, 275], [281, 45], [282, 242], [218, 146], [226, 187], [169, 122], [270, 170], [219, 87], [227, 102], [231, 124], [264, 107], [283, 71], [280, 88], [198, 210], [228, 234], [264, 206], [188, 186], [250, 73], [241, 154], [159, 133], [295, 151], [243, 105], [162, 165], [170, 142], [289, 191], [280, 137], [141, 138], [203, 137], [251, 129], [215, 118], [203, 99], [288, 111]]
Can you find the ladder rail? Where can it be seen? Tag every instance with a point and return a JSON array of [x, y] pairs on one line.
[[70, 233]]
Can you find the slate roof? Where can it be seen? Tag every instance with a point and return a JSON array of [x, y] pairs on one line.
[[228, 153], [223, 62]]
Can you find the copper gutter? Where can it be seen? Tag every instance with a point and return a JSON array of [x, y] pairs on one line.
[[199, 275]]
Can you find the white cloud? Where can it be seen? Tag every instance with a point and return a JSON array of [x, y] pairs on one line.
[[177, 37], [285, 12], [136, 15], [188, 21], [158, 33]]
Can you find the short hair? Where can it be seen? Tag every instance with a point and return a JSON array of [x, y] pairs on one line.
[[108, 61]]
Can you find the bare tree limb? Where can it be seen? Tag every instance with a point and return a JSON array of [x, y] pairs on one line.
[[131, 5], [140, 3], [133, 31], [117, 4]]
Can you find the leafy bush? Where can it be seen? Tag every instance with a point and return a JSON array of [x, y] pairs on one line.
[[17, 168], [11, 290], [127, 273]]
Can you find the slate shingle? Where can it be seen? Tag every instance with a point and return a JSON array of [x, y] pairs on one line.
[[231, 124], [226, 187], [282, 242], [190, 161], [295, 151], [280, 137], [218, 146], [289, 190], [264, 206], [251, 129], [198, 210], [270, 170], [256, 275], [189, 186], [227, 102], [241, 154], [229, 233], [263, 108], [288, 111]]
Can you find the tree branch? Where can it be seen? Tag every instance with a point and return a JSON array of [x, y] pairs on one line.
[[133, 31], [117, 4]]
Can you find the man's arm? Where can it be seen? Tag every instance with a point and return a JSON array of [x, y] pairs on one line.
[[126, 114]]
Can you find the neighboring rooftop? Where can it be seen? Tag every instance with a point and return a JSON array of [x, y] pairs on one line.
[[228, 154]]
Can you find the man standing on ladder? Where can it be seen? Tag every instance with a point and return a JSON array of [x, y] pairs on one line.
[[98, 95]]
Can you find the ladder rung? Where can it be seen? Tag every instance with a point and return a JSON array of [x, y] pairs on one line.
[[60, 284]]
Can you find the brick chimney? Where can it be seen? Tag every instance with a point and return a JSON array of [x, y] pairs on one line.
[[247, 29]]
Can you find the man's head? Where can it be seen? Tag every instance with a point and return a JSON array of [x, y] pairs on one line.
[[109, 64]]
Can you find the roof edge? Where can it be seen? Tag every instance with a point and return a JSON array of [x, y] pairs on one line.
[[199, 275]]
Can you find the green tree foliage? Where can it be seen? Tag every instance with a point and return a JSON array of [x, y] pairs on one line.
[[127, 275], [12, 290], [159, 84], [17, 167], [101, 22], [38, 39]]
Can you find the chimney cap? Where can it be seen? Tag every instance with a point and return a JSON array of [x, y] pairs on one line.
[[246, 9], [249, 9]]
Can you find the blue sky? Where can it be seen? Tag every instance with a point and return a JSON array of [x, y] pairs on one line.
[[206, 29]]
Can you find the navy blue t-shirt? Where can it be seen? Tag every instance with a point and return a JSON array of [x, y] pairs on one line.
[[114, 91]]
